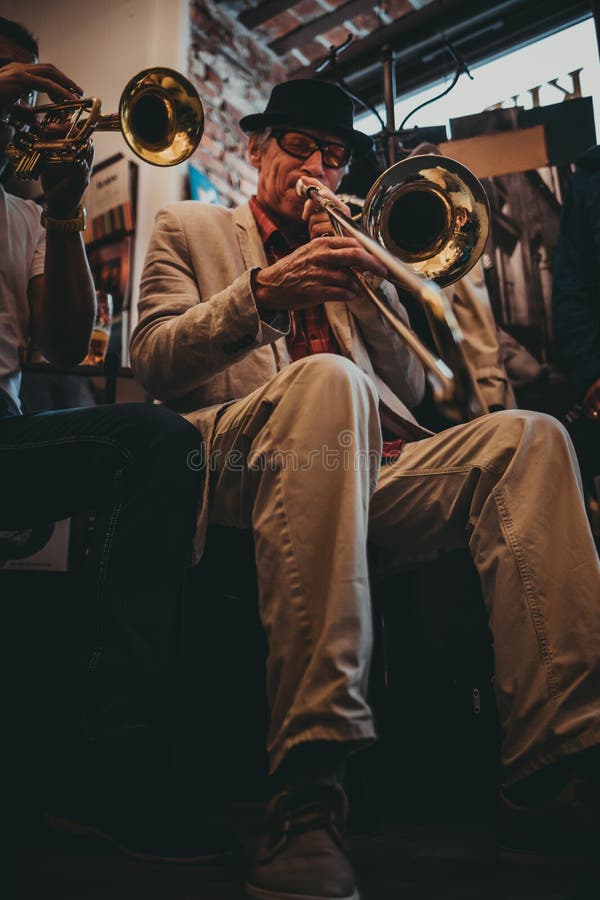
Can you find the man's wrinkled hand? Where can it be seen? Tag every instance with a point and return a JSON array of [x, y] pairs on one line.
[[315, 272], [316, 218]]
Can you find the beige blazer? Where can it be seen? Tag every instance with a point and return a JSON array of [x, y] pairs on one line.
[[200, 342]]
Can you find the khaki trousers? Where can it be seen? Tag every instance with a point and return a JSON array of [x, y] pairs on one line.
[[298, 461]]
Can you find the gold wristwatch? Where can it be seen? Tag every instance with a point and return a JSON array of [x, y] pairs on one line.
[[66, 226]]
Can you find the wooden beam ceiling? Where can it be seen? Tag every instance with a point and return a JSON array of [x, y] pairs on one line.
[[416, 31], [320, 25], [255, 16]]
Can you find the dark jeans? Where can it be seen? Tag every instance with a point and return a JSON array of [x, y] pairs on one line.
[[133, 466]]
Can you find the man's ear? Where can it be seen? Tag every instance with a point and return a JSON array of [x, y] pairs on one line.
[[254, 151]]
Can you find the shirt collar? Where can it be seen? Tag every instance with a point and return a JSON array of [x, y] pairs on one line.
[[270, 233], [265, 224]]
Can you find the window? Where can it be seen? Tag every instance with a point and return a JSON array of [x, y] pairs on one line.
[[510, 75]]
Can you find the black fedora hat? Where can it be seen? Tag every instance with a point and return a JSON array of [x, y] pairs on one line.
[[309, 103]]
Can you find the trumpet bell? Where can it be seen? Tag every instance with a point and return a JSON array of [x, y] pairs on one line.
[[432, 213], [161, 116]]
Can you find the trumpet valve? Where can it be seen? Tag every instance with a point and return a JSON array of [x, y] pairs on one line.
[[28, 164]]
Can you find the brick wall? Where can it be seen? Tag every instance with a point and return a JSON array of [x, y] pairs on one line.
[[233, 74]]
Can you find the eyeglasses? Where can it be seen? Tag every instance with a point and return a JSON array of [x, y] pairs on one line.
[[302, 145]]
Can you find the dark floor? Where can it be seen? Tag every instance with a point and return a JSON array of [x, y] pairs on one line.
[[436, 761], [403, 862]]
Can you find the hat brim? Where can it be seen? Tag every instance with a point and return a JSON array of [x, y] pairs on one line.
[[359, 142]]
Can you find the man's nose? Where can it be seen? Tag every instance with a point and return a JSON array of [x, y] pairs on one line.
[[313, 165]]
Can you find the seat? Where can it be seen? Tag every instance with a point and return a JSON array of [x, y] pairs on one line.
[[430, 688], [222, 676]]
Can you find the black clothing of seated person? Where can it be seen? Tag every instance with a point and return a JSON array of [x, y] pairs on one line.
[[133, 466]]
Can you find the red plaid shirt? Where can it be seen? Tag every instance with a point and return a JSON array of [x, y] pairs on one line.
[[310, 330]]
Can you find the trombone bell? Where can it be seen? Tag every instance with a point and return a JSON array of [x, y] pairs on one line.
[[427, 220], [432, 213]]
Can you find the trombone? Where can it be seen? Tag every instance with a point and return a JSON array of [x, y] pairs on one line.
[[160, 116], [426, 219]]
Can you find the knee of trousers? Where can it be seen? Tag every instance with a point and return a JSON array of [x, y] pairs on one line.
[[335, 379], [324, 401], [157, 433], [162, 423], [336, 403], [538, 434]]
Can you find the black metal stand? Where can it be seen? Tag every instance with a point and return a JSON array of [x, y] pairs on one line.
[[389, 92], [596, 14]]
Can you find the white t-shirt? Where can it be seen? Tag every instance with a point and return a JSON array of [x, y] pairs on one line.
[[22, 252]]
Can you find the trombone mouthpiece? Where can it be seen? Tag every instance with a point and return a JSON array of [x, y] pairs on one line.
[[301, 188]]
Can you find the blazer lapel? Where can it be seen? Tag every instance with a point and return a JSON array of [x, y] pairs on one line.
[[341, 325], [346, 333], [394, 414], [251, 248], [253, 254]]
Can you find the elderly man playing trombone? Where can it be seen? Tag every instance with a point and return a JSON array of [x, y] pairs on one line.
[[252, 326]]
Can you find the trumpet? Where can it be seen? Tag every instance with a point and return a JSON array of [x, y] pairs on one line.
[[426, 219], [160, 116]]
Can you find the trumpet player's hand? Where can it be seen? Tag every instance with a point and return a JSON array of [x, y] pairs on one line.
[[64, 184], [317, 271], [20, 80], [591, 402]]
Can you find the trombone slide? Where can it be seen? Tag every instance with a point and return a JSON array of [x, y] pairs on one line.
[[454, 390]]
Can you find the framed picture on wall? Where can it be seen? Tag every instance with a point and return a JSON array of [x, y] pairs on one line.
[[110, 200]]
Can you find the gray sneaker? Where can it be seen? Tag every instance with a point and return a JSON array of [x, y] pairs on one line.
[[302, 855]]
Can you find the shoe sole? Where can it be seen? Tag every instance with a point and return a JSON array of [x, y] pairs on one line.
[[256, 893], [80, 830]]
